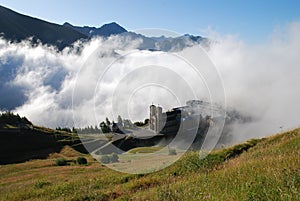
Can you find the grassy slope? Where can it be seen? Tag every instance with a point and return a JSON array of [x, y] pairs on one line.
[[19, 145], [266, 169]]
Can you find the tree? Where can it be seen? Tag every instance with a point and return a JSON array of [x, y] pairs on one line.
[[96, 129], [146, 121], [120, 121], [115, 128], [104, 127], [74, 130], [138, 123], [107, 121], [81, 160]]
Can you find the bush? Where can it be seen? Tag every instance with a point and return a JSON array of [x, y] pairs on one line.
[[105, 159], [172, 152], [41, 184], [81, 161], [138, 123], [60, 162], [114, 158]]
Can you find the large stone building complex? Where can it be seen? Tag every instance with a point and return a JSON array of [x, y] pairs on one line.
[[195, 115]]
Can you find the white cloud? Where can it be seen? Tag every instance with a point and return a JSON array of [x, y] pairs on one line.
[[260, 80]]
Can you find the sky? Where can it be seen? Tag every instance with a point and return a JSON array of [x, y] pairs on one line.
[[252, 22]]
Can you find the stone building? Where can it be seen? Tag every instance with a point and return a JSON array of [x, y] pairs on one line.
[[196, 114], [156, 121], [164, 123]]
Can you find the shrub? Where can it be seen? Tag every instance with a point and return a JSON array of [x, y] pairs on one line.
[[172, 152], [60, 162], [81, 161], [105, 159], [41, 184], [114, 158]]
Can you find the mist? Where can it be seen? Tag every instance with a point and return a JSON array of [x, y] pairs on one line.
[[83, 84], [262, 80]]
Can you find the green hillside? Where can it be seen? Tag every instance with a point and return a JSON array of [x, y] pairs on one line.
[[22, 141], [263, 169]]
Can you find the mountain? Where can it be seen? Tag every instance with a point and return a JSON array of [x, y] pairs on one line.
[[17, 27], [161, 43], [105, 30]]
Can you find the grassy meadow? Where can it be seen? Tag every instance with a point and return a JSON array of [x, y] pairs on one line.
[[261, 169]]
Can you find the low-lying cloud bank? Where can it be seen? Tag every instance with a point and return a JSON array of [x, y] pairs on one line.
[[262, 80], [259, 80]]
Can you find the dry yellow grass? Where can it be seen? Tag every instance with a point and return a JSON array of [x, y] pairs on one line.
[[270, 170], [66, 151]]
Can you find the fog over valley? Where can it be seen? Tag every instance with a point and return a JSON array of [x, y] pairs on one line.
[[52, 88]]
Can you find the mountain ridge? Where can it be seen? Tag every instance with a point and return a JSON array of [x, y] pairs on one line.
[[105, 30], [17, 27]]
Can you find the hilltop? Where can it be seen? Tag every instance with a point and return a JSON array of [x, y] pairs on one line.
[[259, 169]]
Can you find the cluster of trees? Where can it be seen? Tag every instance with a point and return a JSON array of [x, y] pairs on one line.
[[85, 130], [66, 129], [106, 126], [140, 123], [13, 119], [89, 130]]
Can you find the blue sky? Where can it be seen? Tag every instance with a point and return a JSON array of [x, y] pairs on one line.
[[252, 21]]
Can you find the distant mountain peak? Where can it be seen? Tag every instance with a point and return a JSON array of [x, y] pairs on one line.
[[105, 30], [111, 29], [111, 24], [67, 24]]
